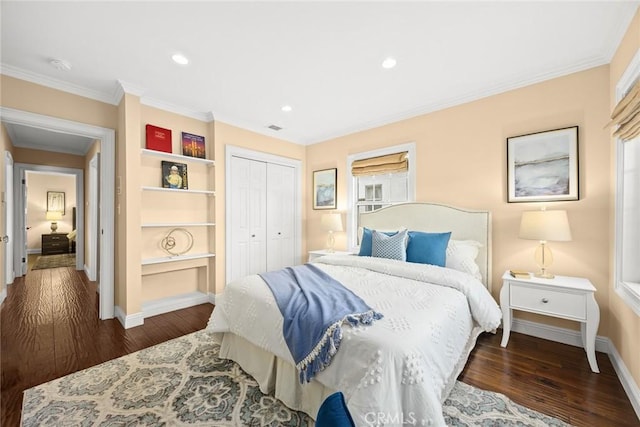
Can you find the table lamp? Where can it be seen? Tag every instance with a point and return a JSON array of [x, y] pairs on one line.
[[54, 216], [331, 222], [544, 225]]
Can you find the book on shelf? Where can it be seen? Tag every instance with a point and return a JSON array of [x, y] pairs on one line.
[[158, 138], [193, 145], [520, 274]]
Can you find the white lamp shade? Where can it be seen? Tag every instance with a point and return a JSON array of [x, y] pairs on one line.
[[545, 225], [331, 222], [53, 215]]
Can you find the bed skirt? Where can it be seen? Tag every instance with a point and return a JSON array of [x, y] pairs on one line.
[[280, 377]]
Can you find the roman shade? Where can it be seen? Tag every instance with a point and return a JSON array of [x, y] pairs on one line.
[[626, 115], [391, 163]]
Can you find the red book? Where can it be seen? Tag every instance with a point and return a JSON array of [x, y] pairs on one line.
[[158, 139]]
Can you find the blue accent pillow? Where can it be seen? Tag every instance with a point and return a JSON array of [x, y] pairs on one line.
[[366, 245], [334, 412], [390, 247], [428, 248]]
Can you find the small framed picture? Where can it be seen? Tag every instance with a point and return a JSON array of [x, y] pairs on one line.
[[543, 166], [193, 145], [174, 175], [324, 189], [55, 201]]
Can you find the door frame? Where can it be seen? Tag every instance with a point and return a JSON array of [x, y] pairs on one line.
[[107, 189], [234, 151], [9, 221], [93, 231], [20, 172]]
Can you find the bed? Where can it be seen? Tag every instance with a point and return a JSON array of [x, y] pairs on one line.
[[400, 369]]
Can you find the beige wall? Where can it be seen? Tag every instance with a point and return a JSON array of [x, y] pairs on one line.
[[38, 184], [225, 135], [624, 324], [461, 160]]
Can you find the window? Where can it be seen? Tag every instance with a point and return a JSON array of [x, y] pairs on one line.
[[627, 214], [377, 179]]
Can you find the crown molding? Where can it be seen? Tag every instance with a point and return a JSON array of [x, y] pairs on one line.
[[123, 87], [183, 111], [612, 43], [50, 82], [516, 83]]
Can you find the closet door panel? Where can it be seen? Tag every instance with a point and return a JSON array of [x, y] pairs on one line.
[[248, 238], [280, 216]]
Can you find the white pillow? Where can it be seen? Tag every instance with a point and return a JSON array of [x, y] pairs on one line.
[[461, 256]]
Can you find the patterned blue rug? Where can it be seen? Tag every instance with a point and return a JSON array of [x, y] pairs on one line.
[[184, 382]]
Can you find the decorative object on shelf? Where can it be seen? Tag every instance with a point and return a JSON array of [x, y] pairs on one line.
[[158, 138], [193, 145], [544, 225], [174, 175], [55, 202], [543, 166], [331, 222], [169, 242], [54, 216], [324, 189]]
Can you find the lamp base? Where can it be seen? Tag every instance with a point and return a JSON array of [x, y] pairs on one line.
[[54, 227], [544, 275], [331, 241]]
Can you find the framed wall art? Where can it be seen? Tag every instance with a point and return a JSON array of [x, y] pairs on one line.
[[543, 166], [55, 201], [193, 145], [324, 189], [174, 175]]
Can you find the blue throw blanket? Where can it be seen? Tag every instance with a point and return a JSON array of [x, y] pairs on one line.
[[314, 306]]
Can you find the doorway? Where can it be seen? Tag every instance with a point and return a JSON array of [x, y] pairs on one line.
[[106, 193]]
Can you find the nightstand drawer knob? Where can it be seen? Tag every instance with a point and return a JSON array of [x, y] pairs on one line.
[[545, 300]]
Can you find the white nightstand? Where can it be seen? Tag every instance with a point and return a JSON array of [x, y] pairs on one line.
[[563, 296], [322, 252]]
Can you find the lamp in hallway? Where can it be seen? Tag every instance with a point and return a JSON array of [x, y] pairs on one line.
[[544, 225], [331, 222], [54, 216]]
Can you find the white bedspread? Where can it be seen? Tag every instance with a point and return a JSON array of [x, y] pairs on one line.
[[399, 370]]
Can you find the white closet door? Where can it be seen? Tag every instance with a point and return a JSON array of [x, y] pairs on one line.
[[248, 218], [281, 201]]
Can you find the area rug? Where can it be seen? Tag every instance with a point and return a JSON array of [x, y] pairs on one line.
[[53, 261], [184, 382]]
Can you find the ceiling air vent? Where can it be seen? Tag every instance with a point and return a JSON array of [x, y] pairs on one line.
[[274, 127]]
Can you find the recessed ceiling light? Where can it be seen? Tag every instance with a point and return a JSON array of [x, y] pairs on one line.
[[286, 108], [60, 64], [179, 58], [389, 63]]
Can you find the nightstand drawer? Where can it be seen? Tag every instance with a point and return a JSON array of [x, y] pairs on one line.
[[547, 301]]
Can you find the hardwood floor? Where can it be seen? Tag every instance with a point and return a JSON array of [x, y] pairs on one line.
[[49, 328]]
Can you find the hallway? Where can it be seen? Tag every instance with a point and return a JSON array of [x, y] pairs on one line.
[[49, 327]]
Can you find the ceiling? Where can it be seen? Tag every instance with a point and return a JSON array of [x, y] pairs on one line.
[[248, 59]]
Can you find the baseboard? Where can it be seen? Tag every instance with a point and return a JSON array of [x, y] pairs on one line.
[[628, 383], [572, 337], [34, 251], [178, 302], [212, 298], [87, 271], [554, 333], [129, 321], [3, 295]]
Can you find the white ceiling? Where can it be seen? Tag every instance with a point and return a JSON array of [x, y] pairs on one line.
[[40, 139], [248, 59]]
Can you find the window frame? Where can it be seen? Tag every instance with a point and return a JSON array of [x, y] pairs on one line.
[[628, 291], [352, 185]]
